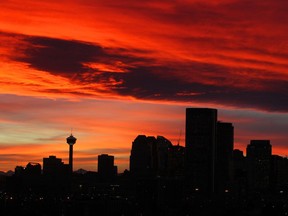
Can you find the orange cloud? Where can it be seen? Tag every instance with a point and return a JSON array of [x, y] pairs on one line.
[[115, 69]]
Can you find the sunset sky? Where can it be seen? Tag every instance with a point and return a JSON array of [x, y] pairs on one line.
[[114, 69]]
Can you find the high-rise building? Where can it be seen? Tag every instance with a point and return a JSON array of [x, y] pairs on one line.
[[71, 140], [153, 156], [33, 169], [279, 172], [140, 158], [258, 155], [54, 166], [19, 170], [176, 160], [224, 156], [162, 147], [149, 155], [239, 172], [106, 166], [200, 145]]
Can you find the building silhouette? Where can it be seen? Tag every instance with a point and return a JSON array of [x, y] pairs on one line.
[[200, 143], [106, 167], [53, 166], [279, 173], [239, 178], [71, 140], [149, 155], [153, 154], [33, 169], [176, 160], [159, 154], [224, 156], [258, 154], [140, 156], [19, 170]]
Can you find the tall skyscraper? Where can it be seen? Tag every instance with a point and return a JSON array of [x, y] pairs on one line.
[[224, 156], [149, 155], [239, 172], [140, 158], [200, 145], [162, 149], [258, 154], [71, 140]]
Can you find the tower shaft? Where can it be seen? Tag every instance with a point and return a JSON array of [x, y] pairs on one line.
[[71, 158]]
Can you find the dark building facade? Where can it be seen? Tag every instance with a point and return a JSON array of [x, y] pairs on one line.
[[201, 124], [149, 155], [140, 158], [160, 154], [239, 172], [19, 170], [258, 155], [33, 169], [224, 156], [279, 173], [176, 161], [54, 166], [106, 166]]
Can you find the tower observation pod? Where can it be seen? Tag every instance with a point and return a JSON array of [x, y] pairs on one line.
[[71, 140]]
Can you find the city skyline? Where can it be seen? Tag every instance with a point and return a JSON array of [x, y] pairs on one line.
[[111, 70], [201, 114]]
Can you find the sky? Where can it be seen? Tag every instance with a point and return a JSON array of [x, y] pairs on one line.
[[110, 70]]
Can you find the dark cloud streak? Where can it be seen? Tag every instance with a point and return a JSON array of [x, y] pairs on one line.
[[145, 79]]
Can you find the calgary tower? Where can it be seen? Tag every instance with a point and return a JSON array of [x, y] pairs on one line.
[[71, 140]]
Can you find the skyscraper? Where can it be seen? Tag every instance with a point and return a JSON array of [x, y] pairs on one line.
[[149, 155], [54, 166], [140, 158], [224, 156], [259, 164], [239, 172], [176, 160], [71, 140], [162, 149], [106, 166], [200, 145]]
